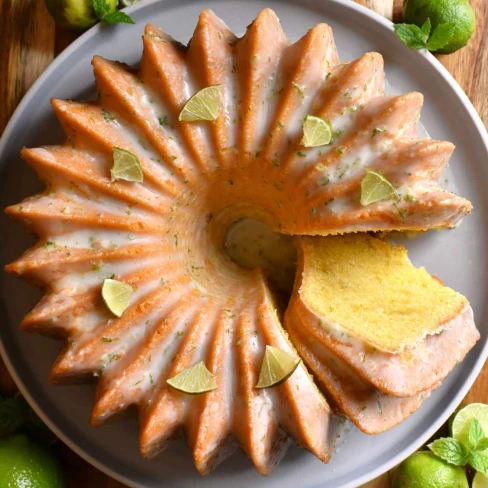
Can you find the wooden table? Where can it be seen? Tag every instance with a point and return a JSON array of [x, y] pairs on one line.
[[30, 41]]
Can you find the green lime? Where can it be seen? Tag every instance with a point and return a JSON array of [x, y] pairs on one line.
[[204, 105], [193, 380], [424, 469], [76, 14], [457, 12], [462, 421], [25, 464], [480, 481], [126, 166], [376, 188], [116, 295], [277, 367], [316, 132]]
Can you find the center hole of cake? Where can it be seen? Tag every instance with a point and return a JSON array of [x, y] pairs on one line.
[[252, 244]]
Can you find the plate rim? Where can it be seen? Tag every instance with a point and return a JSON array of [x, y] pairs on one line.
[[483, 353]]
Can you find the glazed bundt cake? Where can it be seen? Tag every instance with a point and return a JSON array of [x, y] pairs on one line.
[[377, 353], [141, 195]]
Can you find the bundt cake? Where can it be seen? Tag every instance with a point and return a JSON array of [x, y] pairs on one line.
[[378, 354], [142, 193]]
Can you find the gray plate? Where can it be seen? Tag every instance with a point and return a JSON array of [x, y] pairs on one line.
[[458, 257]]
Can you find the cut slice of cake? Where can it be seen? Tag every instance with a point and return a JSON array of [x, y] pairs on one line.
[[370, 409], [399, 328]]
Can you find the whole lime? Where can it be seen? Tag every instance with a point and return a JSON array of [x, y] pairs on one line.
[[76, 14], [425, 470], [457, 12], [25, 464]]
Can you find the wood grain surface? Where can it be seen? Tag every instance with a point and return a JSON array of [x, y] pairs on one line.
[[29, 41]]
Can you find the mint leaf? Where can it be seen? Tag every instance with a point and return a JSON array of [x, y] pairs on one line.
[[482, 445], [101, 8], [411, 35], [426, 28], [475, 434], [450, 450], [36, 428], [479, 461], [117, 17], [441, 35], [13, 414]]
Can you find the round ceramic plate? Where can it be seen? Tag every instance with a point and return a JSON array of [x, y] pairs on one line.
[[458, 257]]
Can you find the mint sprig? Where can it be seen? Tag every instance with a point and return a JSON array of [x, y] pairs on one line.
[[455, 452], [16, 415], [450, 450], [117, 17], [104, 12], [479, 461], [424, 37], [441, 35], [13, 414], [475, 434]]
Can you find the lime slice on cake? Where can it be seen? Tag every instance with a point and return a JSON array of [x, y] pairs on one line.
[[277, 367], [194, 380], [204, 105], [116, 295], [480, 481], [376, 188], [316, 132], [126, 166], [462, 421]]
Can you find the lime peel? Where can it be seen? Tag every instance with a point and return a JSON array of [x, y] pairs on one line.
[[116, 295], [126, 166], [277, 367], [203, 105], [425, 470], [316, 131], [27, 463], [375, 187], [480, 481], [194, 380]]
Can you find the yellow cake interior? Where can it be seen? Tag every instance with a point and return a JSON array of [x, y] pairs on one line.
[[371, 290]]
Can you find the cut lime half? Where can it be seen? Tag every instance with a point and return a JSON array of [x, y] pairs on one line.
[[126, 166], [316, 132], [116, 295], [194, 380], [480, 481], [376, 188], [277, 367], [462, 421], [204, 105]]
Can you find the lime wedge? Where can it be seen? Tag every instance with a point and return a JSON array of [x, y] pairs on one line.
[[480, 481], [376, 188], [193, 380], [204, 105], [116, 295], [277, 367], [462, 421], [316, 132], [126, 166]]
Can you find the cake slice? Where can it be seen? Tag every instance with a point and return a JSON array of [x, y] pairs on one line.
[[370, 409], [397, 327]]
